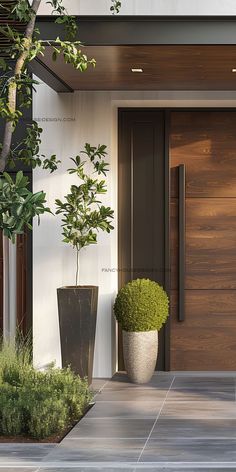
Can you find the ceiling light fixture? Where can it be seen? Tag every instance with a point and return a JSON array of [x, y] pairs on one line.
[[233, 70], [137, 70]]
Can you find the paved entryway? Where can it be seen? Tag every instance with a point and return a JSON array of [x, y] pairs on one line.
[[175, 423]]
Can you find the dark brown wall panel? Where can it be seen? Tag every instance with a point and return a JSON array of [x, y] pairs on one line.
[[21, 265], [141, 201], [23, 283], [1, 283]]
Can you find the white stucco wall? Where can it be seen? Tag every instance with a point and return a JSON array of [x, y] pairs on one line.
[[95, 121], [150, 7]]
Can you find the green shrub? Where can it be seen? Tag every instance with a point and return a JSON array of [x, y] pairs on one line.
[[34, 403], [141, 305], [11, 413]]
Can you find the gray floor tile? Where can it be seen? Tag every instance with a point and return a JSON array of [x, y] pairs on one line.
[[182, 469], [112, 428], [125, 409], [18, 469], [141, 468], [199, 409], [204, 382], [24, 452], [194, 428], [98, 384], [162, 380], [131, 394], [190, 450], [201, 394], [97, 450], [101, 468]]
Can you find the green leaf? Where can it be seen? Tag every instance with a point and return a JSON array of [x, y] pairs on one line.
[[8, 178], [19, 177], [3, 64]]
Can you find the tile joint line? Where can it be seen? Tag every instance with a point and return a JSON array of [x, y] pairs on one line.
[[157, 418]]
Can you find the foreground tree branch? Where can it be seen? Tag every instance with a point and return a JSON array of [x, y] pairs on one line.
[[24, 49], [12, 88]]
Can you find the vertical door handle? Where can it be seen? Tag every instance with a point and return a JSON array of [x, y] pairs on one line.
[[182, 230]]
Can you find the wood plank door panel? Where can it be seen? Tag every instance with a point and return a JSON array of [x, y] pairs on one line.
[[206, 143]]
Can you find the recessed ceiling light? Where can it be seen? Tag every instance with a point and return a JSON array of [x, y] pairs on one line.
[[137, 70], [233, 70]]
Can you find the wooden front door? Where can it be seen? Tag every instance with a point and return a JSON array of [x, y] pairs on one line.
[[205, 142]]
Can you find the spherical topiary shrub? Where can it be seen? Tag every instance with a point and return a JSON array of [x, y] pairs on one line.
[[141, 305]]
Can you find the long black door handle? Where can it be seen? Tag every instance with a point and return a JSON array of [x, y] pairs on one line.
[[182, 229]]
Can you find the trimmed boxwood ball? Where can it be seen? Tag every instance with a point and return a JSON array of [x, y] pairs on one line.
[[141, 305]]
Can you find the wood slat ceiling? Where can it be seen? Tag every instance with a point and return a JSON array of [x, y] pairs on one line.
[[5, 7], [164, 68]]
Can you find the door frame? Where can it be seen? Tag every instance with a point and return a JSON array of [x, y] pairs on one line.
[[167, 115]]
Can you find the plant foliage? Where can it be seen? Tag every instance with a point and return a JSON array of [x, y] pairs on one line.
[[16, 86], [16, 83], [141, 305], [115, 7], [83, 214], [18, 205], [37, 404]]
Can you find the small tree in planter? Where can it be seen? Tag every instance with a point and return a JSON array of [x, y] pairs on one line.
[[83, 216], [141, 308]]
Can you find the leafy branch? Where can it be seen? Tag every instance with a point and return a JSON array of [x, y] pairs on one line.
[[16, 84], [18, 205], [25, 47], [116, 5], [83, 214]]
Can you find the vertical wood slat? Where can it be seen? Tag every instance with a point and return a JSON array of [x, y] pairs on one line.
[[21, 268], [1, 282], [181, 242], [141, 214], [21, 282]]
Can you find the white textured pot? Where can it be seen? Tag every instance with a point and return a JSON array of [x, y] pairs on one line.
[[140, 355]]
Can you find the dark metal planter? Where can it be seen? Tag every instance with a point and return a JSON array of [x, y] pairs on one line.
[[77, 319]]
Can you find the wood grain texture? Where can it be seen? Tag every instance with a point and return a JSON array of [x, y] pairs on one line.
[[164, 68], [141, 202], [211, 243], [21, 267], [205, 142], [21, 285]]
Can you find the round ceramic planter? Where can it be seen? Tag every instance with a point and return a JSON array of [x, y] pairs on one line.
[[140, 355]]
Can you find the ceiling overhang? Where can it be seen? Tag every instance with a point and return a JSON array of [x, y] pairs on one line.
[[131, 41]]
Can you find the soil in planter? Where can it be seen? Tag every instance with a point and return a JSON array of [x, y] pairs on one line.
[[56, 438]]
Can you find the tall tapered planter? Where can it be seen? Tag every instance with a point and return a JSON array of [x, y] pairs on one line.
[[77, 308]]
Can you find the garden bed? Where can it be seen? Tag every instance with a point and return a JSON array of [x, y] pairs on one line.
[[38, 406], [54, 439]]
